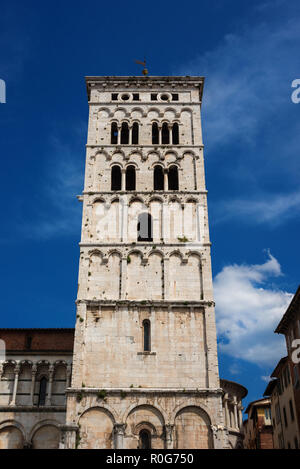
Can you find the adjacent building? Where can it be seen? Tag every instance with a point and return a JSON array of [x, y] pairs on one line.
[[33, 382], [284, 388], [283, 410], [258, 427], [289, 326], [233, 395]]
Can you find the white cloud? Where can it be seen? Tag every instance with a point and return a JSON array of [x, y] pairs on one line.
[[247, 312], [266, 379]]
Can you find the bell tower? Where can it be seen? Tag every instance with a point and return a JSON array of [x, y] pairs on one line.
[[145, 366]]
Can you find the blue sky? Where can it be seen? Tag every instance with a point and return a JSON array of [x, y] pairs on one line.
[[249, 53]]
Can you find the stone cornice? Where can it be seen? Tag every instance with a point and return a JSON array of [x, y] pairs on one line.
[[161, 391], [144, 83], [147, 303], [140, 147], [136, 193], [24, 408], [140, 244], [144, 103]]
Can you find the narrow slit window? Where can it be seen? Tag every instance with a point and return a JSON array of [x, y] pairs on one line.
[[165, 136], [114, 133], [42, 391], [144, 227], [158, 178], [173, 178], [130, 178], [135, 133], [147, 338], [124, 134], [116, 178]]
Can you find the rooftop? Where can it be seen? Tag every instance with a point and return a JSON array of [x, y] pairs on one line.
[[290, 314]]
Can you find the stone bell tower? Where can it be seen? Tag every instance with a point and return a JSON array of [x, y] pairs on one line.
[[145, 367]]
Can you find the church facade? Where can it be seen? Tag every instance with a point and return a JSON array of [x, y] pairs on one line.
[[144, 363]]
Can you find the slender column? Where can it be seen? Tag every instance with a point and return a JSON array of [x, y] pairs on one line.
[[123, 278], [227, 423], [68, 376], [119, 431], [17, 371], [130, 135], [236, 425], [51, 370], [124, 220], [119, 134], [33, 376], [166, 188], [170, 134], [159, 134], [240, 409], [169, 436], [166, 279], [123, 184]]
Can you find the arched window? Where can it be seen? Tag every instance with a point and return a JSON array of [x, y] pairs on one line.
[[158, 178], [165, 136], [173, 178], [155, 138], [114, 133], [145, 440], [175, 134], [116, 178], [124, 133], [42, 391], [135, 133], [144, 227], [130, 178], [147, 335]]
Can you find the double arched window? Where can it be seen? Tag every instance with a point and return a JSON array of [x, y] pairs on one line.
[[168, 134], [116, 178], [159, 182]]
